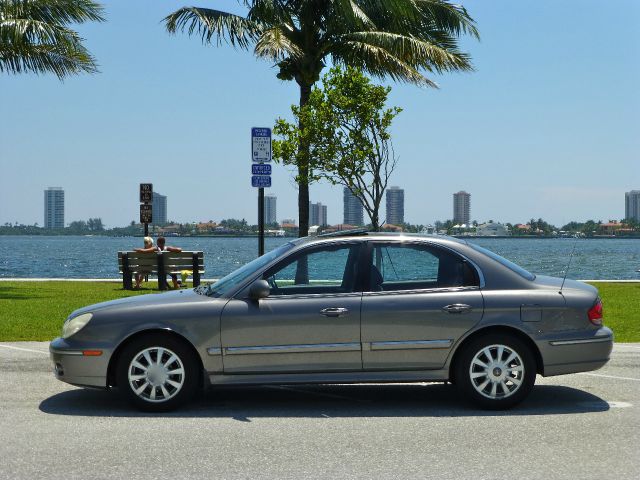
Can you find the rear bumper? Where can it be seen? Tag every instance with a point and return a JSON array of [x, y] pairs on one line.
[[71, 366], [573, 353]]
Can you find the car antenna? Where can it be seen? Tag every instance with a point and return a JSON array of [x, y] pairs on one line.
[[566, 270]]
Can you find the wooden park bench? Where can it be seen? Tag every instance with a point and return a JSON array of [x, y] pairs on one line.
[[160, 263]]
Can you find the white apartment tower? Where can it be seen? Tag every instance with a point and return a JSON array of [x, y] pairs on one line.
[[270, 208], [159, 209], [632, 205], [353, 210], [462, 208], [395, 206], [54, 207], [317, 214]]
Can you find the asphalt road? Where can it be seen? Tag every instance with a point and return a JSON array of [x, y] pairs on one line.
[[584, 426]]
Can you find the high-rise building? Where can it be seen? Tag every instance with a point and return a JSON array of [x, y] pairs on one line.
[[54, 207], [632, 205], [395, 206], [353, 211], [270, 208], [159, 209], [461, 208], [317, 214]]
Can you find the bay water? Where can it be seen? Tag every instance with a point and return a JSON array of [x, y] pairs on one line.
[[96, 256]]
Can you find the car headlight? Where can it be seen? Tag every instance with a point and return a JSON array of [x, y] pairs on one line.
[[74, 325]]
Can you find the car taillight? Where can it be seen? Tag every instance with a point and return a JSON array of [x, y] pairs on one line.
[[595, 313]]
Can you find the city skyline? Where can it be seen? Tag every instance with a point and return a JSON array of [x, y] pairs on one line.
[[318, 210], [531, 123]]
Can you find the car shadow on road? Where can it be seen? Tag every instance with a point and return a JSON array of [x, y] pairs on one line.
[[317, 401]]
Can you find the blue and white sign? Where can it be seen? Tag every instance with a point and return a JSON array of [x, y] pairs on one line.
[[260, 145], [261, 181], [261, 169]]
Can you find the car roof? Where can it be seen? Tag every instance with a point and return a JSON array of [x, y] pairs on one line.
[[365, 235]]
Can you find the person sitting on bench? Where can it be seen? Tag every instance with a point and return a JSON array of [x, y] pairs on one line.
[[142, 272], [162, 247]]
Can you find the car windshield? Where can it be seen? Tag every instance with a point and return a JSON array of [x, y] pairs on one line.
[[510, 265], [235, 278]]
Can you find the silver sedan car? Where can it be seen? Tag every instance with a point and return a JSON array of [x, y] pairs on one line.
[[335, 309]]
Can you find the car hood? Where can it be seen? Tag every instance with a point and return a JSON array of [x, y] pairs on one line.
[[152, 299], [543, 281]]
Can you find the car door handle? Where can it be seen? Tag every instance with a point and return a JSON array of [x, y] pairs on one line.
[[457, 308], [334, 311]]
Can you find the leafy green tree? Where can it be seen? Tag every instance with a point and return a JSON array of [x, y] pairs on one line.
[[35, 36], [347, 134], [400, 39]]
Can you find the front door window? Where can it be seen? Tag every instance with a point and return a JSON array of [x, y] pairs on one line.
[[330, 270]]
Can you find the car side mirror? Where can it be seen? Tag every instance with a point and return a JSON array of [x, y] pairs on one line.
[[259, 289]]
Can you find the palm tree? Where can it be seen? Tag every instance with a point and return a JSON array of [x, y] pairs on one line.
[[35, 37], [400, 39]]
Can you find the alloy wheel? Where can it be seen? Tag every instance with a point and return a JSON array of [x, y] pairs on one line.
[[156, 374], [496, 371]]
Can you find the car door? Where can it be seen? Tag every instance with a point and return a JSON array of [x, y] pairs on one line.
[[418, 301], [310, 322]]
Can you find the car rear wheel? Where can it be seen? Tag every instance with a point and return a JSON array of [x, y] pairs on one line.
[[157, 373], [496, 371]]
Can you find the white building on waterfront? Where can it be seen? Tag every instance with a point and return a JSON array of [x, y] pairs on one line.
[[159, 209], [492, 229], [54, 207], [632, 205]]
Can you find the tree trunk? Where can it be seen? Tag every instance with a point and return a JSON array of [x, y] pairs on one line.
[[303, 172], [375, 222]]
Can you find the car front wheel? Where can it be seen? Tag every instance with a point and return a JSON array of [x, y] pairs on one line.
[[496, 371], [157, 373]]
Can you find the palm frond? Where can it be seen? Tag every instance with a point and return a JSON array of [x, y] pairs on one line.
[[275, 44], [413, 51], [53, 11], [60, 60], [209, 23], [270, 12], [378, 62], [448, 17], [34, 36]]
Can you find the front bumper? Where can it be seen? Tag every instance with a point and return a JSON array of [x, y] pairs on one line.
[[573, 353], [72, 366]]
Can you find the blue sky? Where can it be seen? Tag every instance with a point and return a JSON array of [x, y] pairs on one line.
[[547, 126]]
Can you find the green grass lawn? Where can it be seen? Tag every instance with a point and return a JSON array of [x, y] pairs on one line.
[[621, 302], [36, 310]]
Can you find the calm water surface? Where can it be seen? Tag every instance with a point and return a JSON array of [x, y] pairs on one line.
[[95, 257]]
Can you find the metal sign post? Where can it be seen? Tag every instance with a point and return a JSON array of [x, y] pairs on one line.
[[260, 174], [146, 197]]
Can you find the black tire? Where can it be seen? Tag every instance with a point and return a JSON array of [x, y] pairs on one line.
[[167, 347], [513, 381]]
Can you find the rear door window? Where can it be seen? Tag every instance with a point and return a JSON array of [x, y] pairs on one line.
[[405, 266]]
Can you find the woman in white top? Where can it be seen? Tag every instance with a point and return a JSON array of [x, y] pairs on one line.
[[142, 271]]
